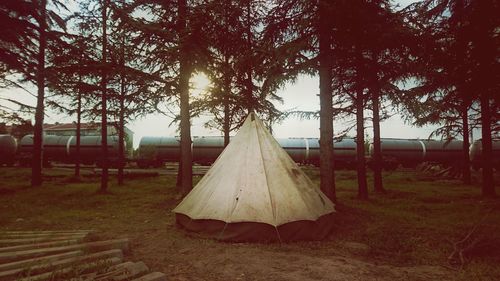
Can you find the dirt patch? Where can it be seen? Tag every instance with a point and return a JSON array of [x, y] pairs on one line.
[[185, 257]]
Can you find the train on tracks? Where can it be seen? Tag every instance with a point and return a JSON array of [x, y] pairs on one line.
[[61, 149], [156, 151]]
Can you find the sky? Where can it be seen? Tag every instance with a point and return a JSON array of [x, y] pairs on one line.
[[302, 95]]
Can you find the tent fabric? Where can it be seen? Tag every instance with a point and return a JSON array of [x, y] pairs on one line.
[[259, 232], [254, 191]]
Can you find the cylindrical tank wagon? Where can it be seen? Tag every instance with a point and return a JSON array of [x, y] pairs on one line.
[[299, 149], [344, 152], [409, 153], [8, 150], [63, 149], [207, 149], [476, 150], [155, 151], [91, 149]]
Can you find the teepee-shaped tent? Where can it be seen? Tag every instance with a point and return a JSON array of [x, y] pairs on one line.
[[256, 192]]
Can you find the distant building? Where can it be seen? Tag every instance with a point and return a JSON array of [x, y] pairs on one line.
[[69, 129], [87, 129]]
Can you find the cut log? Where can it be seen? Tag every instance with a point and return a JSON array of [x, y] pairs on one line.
[[46, 259], [45, 231], [23, 241], [74, 271], [4, 235], [38, 245], [122, 244], [51, 266]]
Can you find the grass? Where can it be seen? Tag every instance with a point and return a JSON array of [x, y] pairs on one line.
[[410, 225], [63, 204]]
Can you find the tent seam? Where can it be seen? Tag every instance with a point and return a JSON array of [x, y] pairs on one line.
[[265, 174]]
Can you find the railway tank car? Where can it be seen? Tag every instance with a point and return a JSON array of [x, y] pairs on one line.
[[91, 151], [8, 150], [344, 151], [207, 149], [63, 149], [409, 153], [155, 151], [476, 150]]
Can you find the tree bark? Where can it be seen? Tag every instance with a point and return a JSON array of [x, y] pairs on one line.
[[488, 188], [178, 180], [377, 151], [184, 75], [121, 121], [121, 132], [466, 143], [104, 113], [36, 171], [484, 52], [327, 176], [461, 54], [249, 81], [78, 127], [360, 145], [227, 125]]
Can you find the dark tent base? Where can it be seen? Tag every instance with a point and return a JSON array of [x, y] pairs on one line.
[[259, 232]]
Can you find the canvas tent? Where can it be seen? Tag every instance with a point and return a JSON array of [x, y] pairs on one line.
[[255, 192]]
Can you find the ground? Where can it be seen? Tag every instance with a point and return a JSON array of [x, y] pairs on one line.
[[405, 234]]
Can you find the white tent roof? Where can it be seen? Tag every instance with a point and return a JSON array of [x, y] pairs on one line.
[[255, 180]]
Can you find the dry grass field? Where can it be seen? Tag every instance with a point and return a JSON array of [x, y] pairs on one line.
[[405, 234]]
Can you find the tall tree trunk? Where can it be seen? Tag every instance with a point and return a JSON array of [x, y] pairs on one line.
[[327, 176], [184, 75], [462, 78], [226, 126], [488, 189], [485, 53], [377, 151], [178, 181], [227, 123], [249, 58], [466, 143], [78, 127], [121, 121], [104, 113], [36, 171], [360, 145], [121, 131]]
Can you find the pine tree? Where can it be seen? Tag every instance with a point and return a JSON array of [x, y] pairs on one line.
[[459, 70], [300, 35], [234, 65], [174, 47], [130, 86], [23, 51]]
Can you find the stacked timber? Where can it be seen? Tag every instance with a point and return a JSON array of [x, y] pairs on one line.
[[67, 255]]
